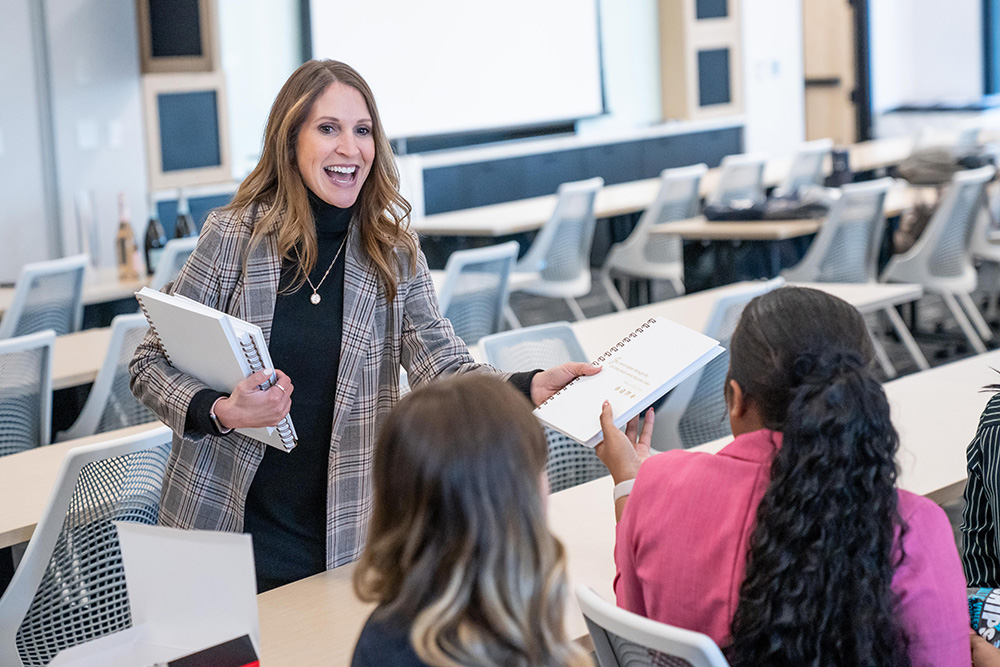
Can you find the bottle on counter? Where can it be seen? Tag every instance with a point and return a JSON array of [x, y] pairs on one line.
[[185, 224], [156, 238], [127, 251]]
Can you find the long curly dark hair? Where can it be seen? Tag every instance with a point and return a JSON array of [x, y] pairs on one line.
[[824, 548]]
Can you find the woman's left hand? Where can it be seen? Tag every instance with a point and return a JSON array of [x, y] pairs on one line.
[[546, 383]]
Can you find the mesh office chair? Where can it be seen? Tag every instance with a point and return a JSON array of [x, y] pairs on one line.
[[807, 166], [111, 404], [569, 463], [846, 250], [624, 639], [26, 392], [557, 264], [47, 295], [941, 259], [657, 256], [473, 295], [695, 411], [741, 180], [70, 585], [985, 247], [175, 253]]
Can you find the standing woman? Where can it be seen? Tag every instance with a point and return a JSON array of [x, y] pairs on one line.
[[313, 249]]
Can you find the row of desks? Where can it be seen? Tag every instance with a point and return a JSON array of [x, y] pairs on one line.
[[595, 335], [317, 620], [624, 198]]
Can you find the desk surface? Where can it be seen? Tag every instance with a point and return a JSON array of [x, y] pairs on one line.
[[77, 357], [27, 480], [622, 198]]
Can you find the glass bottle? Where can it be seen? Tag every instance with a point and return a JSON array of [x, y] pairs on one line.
[[156, 238], [185, 224], [125, 243]]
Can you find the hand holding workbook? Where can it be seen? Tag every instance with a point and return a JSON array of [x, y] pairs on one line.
[[217, 348], [647, 363]]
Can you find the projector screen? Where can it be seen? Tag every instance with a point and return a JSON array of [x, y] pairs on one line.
[[446, 66]]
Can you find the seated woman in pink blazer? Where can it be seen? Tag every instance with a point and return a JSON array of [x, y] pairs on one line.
[[791, 546]]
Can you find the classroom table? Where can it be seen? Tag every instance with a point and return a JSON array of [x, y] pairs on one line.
[[623, 198], [27, 480], [317, 620], [77, 357]]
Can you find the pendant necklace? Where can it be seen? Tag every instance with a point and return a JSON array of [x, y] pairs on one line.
[[315, 298]]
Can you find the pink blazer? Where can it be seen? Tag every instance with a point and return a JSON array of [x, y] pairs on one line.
[[683, 539]]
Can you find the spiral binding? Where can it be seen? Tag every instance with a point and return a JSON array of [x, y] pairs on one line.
[[604, 357], [284, 427], [156, 334]]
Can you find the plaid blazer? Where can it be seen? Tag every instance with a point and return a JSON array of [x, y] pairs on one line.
[[208, 476]]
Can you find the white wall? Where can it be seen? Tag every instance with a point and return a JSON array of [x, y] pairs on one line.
[[773, 91], [260, 45], [25, 222], [96, 114], [925, 50]]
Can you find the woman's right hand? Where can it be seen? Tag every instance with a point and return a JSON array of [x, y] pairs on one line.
[[984, 654], [623, 453], [249, 407]]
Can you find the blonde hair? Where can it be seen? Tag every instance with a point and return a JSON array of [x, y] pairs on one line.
[[276, 181], [458, 545]]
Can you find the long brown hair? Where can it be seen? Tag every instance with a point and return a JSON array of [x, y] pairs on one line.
[[458, 545], [277, 183]]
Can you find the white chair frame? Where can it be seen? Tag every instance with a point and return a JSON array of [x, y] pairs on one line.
[[811, 268], [90, 417], [166, 268], [630, 257], [914, 266], [808, 166], [31, 272], [527, 276], [453, 275], [18, 598], [602, 618], [738, 166], [44, 340]]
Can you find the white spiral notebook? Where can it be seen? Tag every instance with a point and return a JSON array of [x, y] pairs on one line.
[[218, 349], [643, 366]]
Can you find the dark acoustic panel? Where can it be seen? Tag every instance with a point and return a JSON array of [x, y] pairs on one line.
[[711, 9], [479, 184], [200, 208], [175, 28], [189, 130], [713, 77]]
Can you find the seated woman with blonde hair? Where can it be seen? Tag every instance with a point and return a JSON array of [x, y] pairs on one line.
[[459, 557]]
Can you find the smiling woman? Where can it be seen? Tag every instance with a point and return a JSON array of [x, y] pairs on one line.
[[321, 209]]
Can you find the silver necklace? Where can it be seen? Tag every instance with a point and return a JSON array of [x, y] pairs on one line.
[[316, 298]]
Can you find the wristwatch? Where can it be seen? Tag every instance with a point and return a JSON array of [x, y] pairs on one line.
[[215, 419]]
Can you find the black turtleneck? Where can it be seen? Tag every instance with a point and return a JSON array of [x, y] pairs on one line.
[[286, 504]]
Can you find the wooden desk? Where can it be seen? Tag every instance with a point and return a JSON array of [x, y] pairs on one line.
[[27, 480], [77, 357], [899, 199], [100, 286], [317, 620], [623, 198]]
